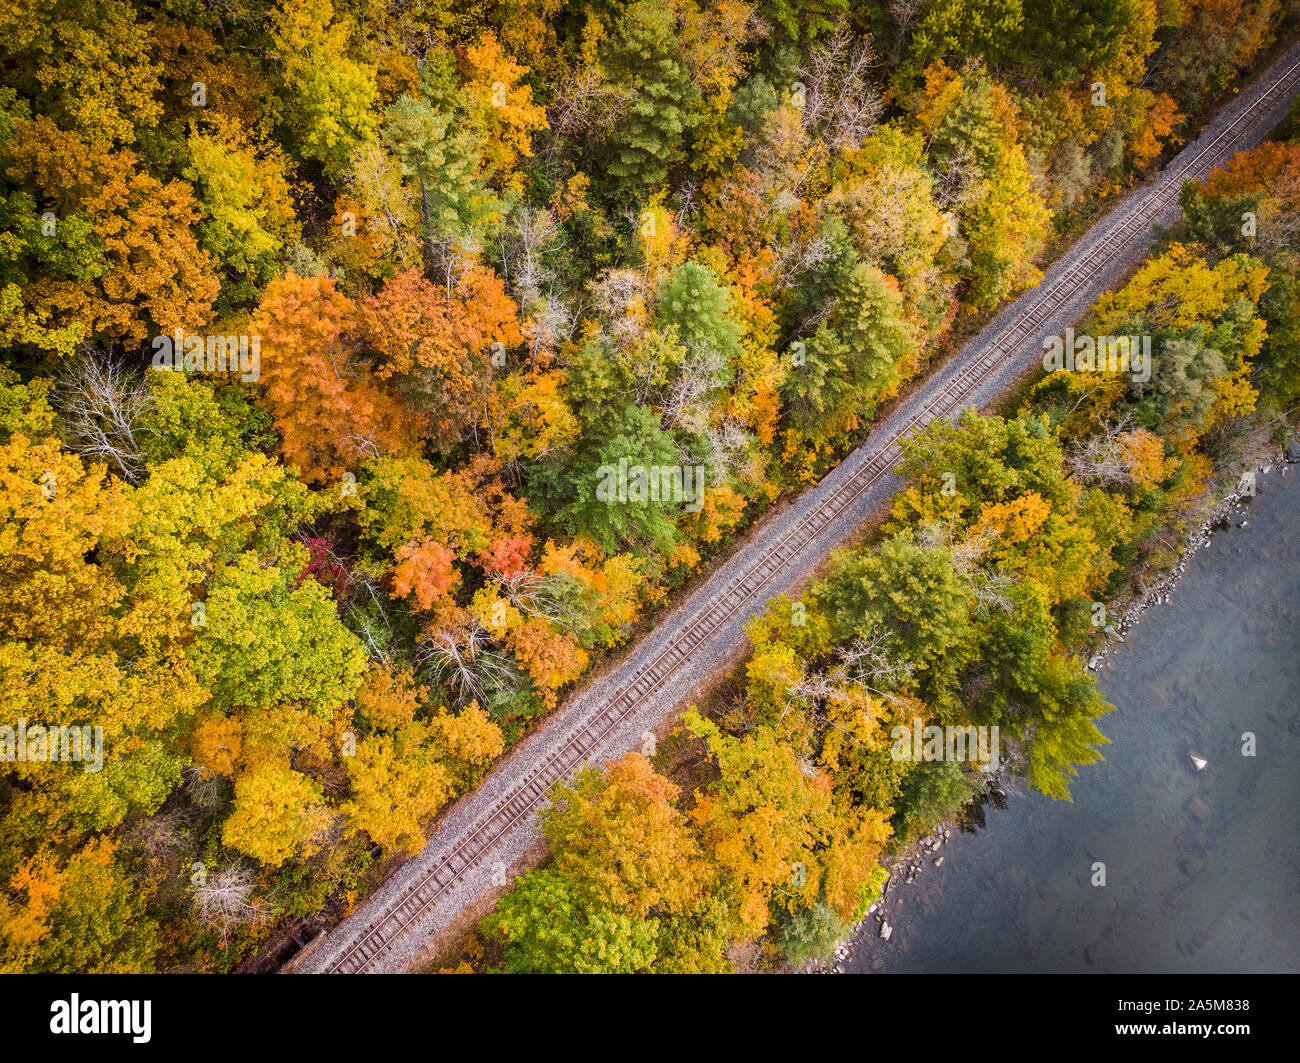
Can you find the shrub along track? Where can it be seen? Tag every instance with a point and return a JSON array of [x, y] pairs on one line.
[[488, 831]]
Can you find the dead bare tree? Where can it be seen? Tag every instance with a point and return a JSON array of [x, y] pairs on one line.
[[966, 548], [904, 14], [450, 259], [841, 103], [820, 687], [617, 294], [100, 407], [527, 235], [725, 444], [865, 666], [224, 901], [526, 591], [364, 443], [685, 205], [206, 788], [956, 180], [461, 654], [550, 324], [991, 588], [871, 664], [1106, 457], [794, 258], [685, 405], [587, 107]]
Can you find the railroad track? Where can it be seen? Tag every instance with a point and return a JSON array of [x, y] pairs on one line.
[[982, 369]]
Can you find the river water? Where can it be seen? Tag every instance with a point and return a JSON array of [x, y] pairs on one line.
[[1202, 871]]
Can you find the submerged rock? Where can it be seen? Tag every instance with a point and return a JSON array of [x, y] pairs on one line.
[[1199, 810]]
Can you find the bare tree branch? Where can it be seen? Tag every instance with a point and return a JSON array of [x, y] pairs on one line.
[[100, 406]]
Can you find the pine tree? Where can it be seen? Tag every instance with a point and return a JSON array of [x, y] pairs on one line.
[[643, 55]]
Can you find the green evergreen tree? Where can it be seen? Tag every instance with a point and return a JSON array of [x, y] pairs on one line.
[[643, 54]]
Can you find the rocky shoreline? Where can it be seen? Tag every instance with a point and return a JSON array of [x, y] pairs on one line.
[[1231, 507], [902, 872], [909, 864]]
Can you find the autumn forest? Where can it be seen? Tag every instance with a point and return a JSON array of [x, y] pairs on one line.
[[326, 327]]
